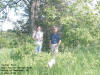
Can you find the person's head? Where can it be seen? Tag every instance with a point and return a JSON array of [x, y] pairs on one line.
[[55, 29], [39, 28]]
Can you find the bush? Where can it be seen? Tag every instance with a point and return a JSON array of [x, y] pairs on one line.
[[80, 30], [24, 50]]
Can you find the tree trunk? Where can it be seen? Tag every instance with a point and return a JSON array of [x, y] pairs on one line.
[[33, 16]]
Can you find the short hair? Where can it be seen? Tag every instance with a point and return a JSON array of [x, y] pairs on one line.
[[38, 26], [55, 27]]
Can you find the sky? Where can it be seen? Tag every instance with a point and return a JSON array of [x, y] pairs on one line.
[[13, 17], [7, 24]]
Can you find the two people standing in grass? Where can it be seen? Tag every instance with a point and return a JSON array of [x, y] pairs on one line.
[[55, 39]]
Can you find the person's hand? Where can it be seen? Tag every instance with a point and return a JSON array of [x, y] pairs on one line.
[[56, 45], [50, 45], [41, 39], [36, 39]]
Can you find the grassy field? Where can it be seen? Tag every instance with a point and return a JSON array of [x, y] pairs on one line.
[[19, 53]]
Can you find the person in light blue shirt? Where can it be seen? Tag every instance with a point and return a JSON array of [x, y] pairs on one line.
[[55, 40]]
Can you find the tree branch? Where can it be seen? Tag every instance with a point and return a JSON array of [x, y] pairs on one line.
[[27, 3], [8, 4]]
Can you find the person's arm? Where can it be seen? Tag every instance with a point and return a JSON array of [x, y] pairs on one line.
[[41, 39], [59, 38], [34, 35], [50, 41], [59, 43], [50, 44]]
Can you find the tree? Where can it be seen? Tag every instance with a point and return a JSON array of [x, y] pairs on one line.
[[31, 5]]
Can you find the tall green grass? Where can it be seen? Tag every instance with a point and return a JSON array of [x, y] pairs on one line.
[[77, 61]]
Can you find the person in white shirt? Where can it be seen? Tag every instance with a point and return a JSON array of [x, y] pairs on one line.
[[38, 36]]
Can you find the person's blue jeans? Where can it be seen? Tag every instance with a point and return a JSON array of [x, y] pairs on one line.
[[38, 49]]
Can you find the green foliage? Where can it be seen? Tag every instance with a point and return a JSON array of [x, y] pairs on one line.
[[81, 27], [14, 39], [83, 31], [22, 51], [80, 60], [79, 23], [16, 54], [21, 44]]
